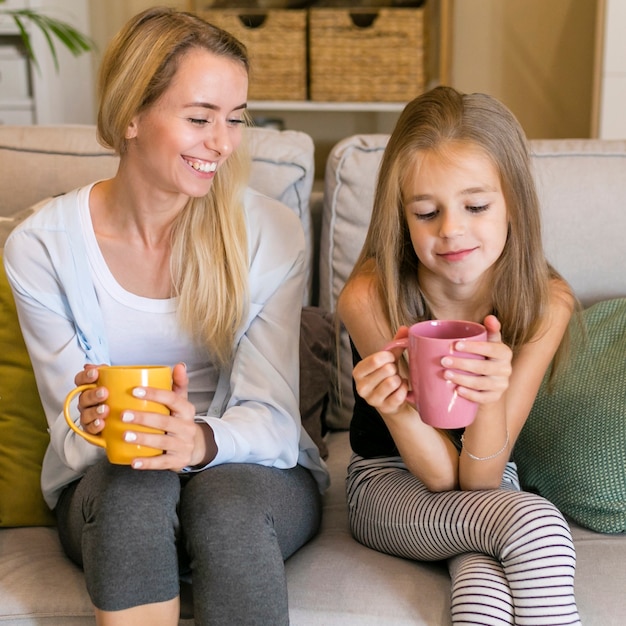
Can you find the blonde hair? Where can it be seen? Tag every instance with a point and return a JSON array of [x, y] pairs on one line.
[[520, 292], [209, 260]]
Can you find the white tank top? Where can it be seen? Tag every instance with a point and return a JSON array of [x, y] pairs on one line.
[[145, 330]]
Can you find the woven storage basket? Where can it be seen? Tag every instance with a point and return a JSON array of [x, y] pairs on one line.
[[383, 61], [276, 42]]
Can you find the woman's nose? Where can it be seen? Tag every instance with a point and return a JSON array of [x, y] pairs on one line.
[[219, 140]]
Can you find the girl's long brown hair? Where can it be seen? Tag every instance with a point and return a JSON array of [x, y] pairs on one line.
[[520, 290]]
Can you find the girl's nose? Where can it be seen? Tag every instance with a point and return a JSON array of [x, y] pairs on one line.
[[451, 224]]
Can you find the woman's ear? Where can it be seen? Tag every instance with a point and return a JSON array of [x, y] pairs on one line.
[[131, 130]]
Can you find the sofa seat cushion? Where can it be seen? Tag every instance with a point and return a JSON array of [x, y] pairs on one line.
[[572, 449]]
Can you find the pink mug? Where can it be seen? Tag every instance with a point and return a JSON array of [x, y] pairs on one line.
[[436, 398]]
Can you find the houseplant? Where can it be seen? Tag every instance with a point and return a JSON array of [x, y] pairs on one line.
[[75, 41]]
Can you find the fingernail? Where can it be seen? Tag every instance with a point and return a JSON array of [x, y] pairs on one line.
[[459, 346], [100, 393], [446, 361], [137, 464], [127, 416], [130, 436], [92, 373], [139, 392], [100, 409], [96, 422]]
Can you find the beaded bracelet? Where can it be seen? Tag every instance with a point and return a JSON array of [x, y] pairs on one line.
[[485, 458]]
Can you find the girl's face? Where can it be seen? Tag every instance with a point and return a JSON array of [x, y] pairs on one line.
[[456, 214], [179, 143]]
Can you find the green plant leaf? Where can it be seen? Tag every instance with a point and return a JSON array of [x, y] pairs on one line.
[[76, 42]]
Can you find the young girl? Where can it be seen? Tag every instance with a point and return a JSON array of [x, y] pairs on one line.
[[455, 234], [174, 261]]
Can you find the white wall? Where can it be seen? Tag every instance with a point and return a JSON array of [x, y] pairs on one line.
[[537, 56], [611, 114]]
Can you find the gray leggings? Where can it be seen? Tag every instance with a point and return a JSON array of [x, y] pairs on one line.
[[510, 553], [232, 524]]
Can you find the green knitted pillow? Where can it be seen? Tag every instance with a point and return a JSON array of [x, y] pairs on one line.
[[572, 449]]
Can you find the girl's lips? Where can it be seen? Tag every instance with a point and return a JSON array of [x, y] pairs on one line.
[[456, 255]]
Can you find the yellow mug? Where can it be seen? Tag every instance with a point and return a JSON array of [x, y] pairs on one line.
[[120, 380]]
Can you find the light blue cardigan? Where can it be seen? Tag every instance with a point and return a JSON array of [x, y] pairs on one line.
[[255, 410]]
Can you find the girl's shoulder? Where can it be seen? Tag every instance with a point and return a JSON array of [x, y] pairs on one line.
[[361, 293], [561, 296]]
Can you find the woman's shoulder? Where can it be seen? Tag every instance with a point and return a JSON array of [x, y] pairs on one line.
[[51, 214]]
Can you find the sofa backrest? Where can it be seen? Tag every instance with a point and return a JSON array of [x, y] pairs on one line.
[[38, 162], [582, 191]]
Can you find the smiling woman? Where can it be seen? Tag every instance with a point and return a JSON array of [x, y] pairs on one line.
[[174, 261]]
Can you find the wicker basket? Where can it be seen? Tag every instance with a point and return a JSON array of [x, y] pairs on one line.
[[276, 42], [356, 62]]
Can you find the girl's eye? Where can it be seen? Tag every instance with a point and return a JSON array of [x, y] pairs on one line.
[[477, 209], [424, 217]]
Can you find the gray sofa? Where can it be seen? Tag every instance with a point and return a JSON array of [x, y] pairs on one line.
[[333, 580]]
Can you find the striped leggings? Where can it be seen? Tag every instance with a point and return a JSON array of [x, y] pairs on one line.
[[510, 553]]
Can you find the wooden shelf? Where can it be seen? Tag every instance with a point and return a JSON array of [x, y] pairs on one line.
[[347, 107]]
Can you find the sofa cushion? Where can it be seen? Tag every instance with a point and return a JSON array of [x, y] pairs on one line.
[[582, 185], [23, 436], [350, 181], [42, 161], [572, 449]]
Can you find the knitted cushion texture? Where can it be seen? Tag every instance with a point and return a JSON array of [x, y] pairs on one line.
[[572, 449]]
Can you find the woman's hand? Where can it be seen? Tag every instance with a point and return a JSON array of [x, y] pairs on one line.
[[378, 379], [90, 402], [183, 441], [481, 380]]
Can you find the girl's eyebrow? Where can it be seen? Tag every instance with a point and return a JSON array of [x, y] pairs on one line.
[[464, 192]]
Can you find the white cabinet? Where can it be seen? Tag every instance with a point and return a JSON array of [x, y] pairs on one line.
[[41, 93]]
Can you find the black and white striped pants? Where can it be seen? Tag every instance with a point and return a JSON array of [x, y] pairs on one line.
[[510, 553]]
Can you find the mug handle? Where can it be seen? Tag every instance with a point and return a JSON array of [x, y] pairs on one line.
[[404, 344], [95, 439]]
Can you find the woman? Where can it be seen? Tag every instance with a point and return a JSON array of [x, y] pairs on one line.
[[173, 261], [455, 234]]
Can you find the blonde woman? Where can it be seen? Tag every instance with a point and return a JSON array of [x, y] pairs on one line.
[[173, 261], [455, 234]]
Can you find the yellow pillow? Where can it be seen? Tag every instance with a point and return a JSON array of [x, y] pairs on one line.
[[23, 434]]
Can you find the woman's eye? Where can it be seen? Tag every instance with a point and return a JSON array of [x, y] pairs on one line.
[[236, 122], [477, 209], [198, 122]]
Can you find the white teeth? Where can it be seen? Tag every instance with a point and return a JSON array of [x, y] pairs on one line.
[[202, 166]]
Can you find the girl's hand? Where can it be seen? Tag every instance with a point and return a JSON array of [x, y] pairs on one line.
[[482, 380], [378, 379]]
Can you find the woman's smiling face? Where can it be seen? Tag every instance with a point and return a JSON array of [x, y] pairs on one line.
[[196, 124], [456, 213]]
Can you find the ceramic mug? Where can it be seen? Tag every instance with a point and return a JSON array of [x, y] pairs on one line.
[[120, 380], [435, 397]]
